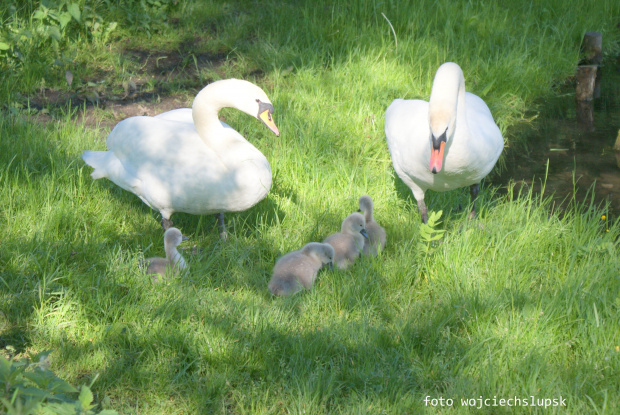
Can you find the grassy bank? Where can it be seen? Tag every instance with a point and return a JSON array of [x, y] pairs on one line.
[[522, 302]]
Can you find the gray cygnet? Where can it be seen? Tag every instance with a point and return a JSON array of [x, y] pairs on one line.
[[162, 268], [299, 268], [349, 242], [376, 233]]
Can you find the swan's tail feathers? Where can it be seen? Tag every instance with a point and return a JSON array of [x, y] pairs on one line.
[[98, 160], [106, 164]]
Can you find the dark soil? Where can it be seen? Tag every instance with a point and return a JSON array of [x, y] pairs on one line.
[[101, 102]]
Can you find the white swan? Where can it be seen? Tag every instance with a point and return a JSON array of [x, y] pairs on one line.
[[446, 143], [187, 160]]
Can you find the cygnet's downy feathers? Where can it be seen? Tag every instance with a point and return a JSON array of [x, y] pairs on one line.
[[173, 263], [349, 242], [299, 269], [376, 234]]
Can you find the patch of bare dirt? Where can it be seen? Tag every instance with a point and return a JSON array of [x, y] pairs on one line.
[[165, 80]]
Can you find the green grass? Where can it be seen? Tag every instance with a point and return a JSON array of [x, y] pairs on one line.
[[523, 301]]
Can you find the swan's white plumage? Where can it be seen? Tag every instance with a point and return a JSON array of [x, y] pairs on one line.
[[187, 160], [473, 145]]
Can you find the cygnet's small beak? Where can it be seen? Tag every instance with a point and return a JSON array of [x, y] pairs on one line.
[[363, 232], [331, 265], [185, 238]]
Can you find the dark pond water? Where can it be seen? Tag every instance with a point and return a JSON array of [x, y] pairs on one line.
[[577, 141]]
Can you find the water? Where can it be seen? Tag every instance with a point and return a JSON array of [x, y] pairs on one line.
[[577, 141]]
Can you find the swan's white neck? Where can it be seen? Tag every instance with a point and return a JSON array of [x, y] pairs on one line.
[[245, 170], [447, 101], [222, 139], [205, 110]]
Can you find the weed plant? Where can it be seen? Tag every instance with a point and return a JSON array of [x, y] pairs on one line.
[[521, 302]]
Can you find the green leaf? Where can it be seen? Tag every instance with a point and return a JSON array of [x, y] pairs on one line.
[[64, 19], [39, 14], [74, 11], [54, 33], [61, 386], [111, 27], [5, 368], [86, 397], [4, 46], [34, 392], [59, 409]]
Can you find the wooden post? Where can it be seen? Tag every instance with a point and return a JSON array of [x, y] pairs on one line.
[[617, 149], [591, 58], [592, 49], [586, 79], [585, 115]]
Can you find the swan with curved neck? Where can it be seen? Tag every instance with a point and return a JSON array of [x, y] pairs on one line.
[[187, 160], [451, 141]]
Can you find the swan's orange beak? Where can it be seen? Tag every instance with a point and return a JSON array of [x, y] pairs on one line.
[[267, 118], [437, 158]]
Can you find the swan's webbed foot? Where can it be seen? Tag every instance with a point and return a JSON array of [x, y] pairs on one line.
[[423, 210], [222, 227], [473, 191], [166, 223]]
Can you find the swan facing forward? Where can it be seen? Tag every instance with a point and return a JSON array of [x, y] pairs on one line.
[[451, 141], [187, 160]]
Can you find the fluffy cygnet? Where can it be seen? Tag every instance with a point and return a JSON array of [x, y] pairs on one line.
[[173, 263], [298, 269], [376, 233], [349, 242]]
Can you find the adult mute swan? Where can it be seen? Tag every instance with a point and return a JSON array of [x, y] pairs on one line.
[[187, 160], [451, 141]]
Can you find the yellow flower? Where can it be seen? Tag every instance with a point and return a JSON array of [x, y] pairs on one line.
[[603, 217], [617, 348]]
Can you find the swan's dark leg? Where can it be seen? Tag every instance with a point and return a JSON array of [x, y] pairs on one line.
[[473, 191], [422, 209], [222, 226], [166, 223]]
